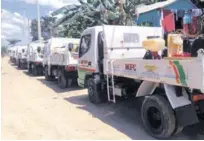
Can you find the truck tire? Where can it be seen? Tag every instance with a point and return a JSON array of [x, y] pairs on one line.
[[41, 70], [48, 77], [86, 81], [158, 117], [95, 94], [62, 80], [19, 64], [34, 70], [178, 130], [29, 69]]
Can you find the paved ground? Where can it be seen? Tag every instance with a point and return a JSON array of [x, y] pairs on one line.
[[33, 108]]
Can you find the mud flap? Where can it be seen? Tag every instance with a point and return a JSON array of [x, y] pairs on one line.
[[184, 109]]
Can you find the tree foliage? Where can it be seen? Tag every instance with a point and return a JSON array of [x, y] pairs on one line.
[[46, 27], [198, 3], [13, 41], [76, 18], [97, 12], [3, 50]]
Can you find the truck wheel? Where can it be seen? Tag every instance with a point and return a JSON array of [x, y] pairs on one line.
[[34, 70], [30, 69], [19, 64], [158, 117], [62, 81], [94, 92], [48, 77], [22, 65], [41, 71]]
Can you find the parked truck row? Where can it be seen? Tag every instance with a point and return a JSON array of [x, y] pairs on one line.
[[129, 62]]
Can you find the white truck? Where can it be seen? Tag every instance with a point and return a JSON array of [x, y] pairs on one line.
[[35, 57], [12, 53], [22, 56], [60, 60], [126, 61]]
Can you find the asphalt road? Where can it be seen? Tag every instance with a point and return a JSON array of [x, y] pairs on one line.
[[33, 108]]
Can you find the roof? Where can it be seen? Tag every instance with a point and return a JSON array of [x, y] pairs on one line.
[[151, 7]]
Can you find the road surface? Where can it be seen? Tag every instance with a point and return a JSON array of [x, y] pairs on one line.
[[33, 108]]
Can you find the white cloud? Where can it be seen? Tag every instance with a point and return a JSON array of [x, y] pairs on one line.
[[53, 3], [13, 27]]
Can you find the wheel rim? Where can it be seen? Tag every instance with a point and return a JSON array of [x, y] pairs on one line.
[[154, 119]]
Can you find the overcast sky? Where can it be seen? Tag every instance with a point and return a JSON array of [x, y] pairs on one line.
[[15, 25]]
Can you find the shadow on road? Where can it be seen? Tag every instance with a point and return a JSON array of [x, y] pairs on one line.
[[11, 63], [30, 75], [54, 86], [15, 66], [122, 116], [125, 117]]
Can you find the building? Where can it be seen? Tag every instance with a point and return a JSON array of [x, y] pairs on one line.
[[152, 15]]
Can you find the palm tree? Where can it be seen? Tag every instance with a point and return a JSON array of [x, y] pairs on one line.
[[13, 41]]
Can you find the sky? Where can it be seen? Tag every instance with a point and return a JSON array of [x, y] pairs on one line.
[[17, 14]]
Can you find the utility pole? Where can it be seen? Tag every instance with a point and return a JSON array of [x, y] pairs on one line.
[[28, 22], [26, 26], [38, 18], [24, 21]]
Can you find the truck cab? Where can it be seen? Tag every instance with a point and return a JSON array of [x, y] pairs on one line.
[[22, 56], [88, 62], [126, 61], [60, 60], [91, 49], [15, 48], [35, 57]]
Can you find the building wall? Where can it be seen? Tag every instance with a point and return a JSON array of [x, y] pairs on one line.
[[154, 15]]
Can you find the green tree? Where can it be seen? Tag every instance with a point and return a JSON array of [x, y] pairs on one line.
[[3, 51], [198, 3], [97, 12], [46, 27], [13, 41]]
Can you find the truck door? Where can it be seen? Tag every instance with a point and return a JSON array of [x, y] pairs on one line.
[[87, 61]]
